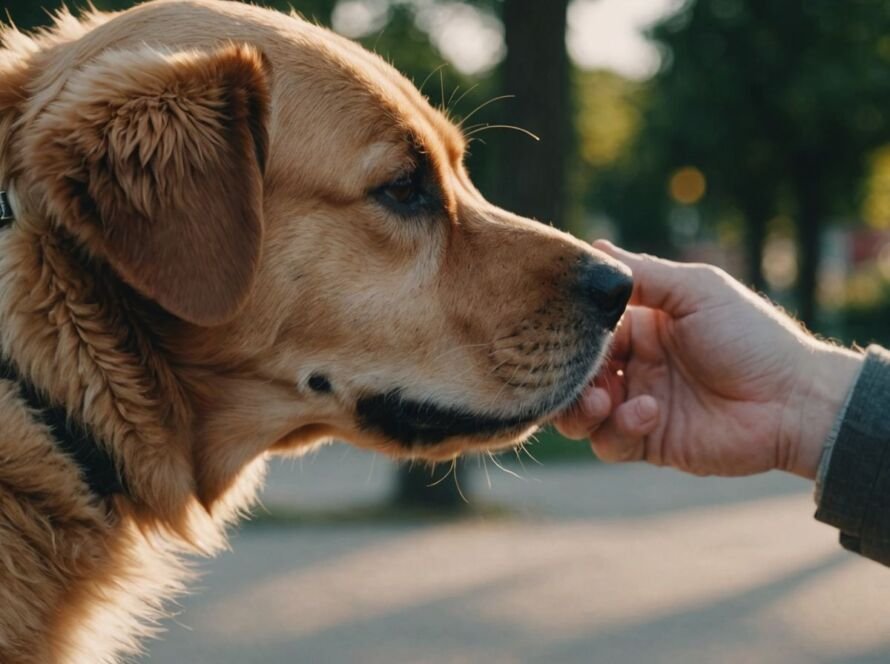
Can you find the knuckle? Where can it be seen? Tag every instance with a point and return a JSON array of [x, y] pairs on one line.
[[571, 429], [614, 451], [710, 272], [604, 452]]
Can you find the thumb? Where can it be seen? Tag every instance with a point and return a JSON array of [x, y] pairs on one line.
[[676, 288]]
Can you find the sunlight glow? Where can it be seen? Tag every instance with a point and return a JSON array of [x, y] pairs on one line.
[[471, 39], [357, 18], [602, 34], [609, 34]]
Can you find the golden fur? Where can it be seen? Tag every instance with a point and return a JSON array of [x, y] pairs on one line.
[[199, 231]]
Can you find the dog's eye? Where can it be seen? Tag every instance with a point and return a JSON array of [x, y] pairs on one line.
[[404, 194], [403, 191], [406, 191]]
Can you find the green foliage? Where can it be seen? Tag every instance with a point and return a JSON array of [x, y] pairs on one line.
[[753, 87], [778, 103], [609, 112]]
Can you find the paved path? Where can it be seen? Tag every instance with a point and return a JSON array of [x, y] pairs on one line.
[[619, 565]]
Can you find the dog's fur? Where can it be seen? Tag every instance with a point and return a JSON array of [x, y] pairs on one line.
[[209, 265]]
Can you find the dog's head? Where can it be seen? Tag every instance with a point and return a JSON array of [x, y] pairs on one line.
[[304, 219]]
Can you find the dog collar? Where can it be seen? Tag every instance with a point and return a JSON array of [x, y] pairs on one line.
[[6, 214], [97, 467]]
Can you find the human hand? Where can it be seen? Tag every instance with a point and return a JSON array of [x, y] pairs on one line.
[[707, 377]]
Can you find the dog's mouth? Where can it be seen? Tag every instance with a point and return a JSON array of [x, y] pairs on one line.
[[418, 424], [413, 423]]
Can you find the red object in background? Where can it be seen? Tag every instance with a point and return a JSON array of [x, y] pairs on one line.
[[864, 244]]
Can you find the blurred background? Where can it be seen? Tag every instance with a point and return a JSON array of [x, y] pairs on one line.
[[752, 134]]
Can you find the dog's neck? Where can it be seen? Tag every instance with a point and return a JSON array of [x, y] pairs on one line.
[[93, 346], [78, 336], [71, 333]]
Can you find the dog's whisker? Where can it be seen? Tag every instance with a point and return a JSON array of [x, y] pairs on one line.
[[486, 127], [448, 103], [485, 467], [371, 470], [429, 76], [468, 131], [506, 470], [465, 93], [444, 477], [519, 457], [481, 106], [528, 452], [457, 482]]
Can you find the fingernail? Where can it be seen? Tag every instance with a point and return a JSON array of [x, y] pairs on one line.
[[647, 408]]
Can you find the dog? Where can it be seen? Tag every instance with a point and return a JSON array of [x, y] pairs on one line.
[[227, 233]]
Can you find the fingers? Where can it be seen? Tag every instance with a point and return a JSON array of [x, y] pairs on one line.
[[615, 436], [586, 415], [609, 387], [621, 437], [622, 338], [676, 288]]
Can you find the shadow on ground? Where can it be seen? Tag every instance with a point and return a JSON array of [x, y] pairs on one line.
[[574, 563]]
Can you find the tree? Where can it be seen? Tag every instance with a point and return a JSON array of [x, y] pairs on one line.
[[779, 104], [532, 178]]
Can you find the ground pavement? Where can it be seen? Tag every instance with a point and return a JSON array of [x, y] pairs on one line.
[[575, 563]]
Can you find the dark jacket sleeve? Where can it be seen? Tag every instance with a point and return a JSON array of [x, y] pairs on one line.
[[855, 494]]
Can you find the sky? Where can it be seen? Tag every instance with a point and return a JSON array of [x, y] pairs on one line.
[[602, 34]]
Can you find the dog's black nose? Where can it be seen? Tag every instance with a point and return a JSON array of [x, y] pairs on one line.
[[607, 287]]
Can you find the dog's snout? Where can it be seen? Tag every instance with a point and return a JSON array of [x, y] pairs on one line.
[[607, 288]]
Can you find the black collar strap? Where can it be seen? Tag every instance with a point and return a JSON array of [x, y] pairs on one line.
[[6, 214], [96, 465]]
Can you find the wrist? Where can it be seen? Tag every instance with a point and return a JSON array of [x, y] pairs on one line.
[[827, 376]]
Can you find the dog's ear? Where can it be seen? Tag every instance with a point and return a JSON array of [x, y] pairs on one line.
[[155, 161]]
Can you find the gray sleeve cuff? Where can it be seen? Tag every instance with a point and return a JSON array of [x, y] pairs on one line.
[[855, 493], [828, 447]]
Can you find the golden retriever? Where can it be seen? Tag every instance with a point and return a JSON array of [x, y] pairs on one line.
[[236, 233]]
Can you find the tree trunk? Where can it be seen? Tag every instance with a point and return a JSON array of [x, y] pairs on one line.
[[810, 211], [755, 239], [810, 257], [532, 179], [418, 488]]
